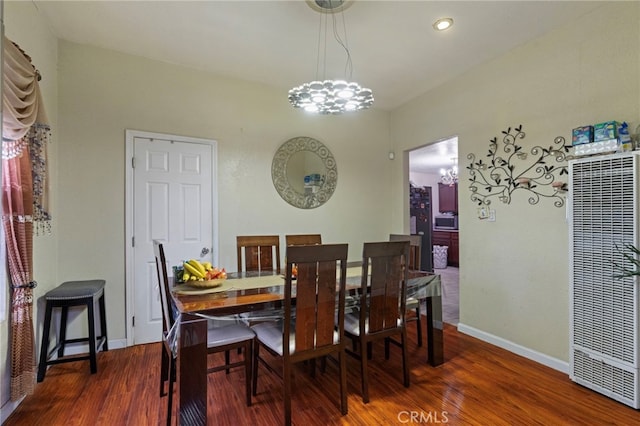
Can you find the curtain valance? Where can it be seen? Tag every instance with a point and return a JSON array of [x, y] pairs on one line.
[[25, 126], [21, 98]]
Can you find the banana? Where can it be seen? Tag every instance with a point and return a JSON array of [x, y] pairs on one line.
[[195, 272], [207, 266], [196, 264], [185, 275]]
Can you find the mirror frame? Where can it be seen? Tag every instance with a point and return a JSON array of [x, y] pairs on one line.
[[281, 182]]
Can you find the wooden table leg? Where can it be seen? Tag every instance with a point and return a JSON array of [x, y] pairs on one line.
[[434, 331], [192, 371]]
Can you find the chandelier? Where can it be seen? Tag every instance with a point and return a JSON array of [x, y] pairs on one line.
[[450, 176], [326, 96]]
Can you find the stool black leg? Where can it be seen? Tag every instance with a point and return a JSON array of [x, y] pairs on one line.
[[103, 323], [44, 347], [92, 337], [63, 330]]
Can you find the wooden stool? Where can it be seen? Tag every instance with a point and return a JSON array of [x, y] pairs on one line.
[[73, 293]]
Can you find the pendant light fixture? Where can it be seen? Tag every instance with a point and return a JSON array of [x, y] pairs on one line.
[[327, 96], [450, 176]]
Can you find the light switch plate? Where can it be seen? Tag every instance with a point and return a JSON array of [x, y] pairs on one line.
[[483, 212]]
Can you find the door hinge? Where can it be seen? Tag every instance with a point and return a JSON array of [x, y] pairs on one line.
[[133, 241], [133, 321], [133, 162]]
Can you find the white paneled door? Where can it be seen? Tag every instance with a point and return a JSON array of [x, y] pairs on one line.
[[172, 202]]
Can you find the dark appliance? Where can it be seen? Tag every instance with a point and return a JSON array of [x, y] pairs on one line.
[[420, 203]]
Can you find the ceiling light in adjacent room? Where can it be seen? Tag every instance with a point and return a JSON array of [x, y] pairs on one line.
[[450, 176]]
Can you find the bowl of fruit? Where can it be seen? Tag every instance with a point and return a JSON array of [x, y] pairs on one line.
[[201, 274]]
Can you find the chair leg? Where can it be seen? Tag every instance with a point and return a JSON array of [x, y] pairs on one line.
[[419, 325], [256, 351], [364, 370], [44, 346], [172, 367], [227, 360], [405, 358], [386, 347], [164, 369], [343, 382], [286, 377], [312, 366], [248, 360]]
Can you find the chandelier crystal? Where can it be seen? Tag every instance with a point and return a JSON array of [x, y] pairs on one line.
[[326, 96], [449, 176]]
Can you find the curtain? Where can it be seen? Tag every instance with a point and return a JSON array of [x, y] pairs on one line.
[[25, 134]]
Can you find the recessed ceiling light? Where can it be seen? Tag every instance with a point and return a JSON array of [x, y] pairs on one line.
[[442, 24]]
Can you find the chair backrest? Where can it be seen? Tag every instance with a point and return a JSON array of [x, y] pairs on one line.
[[303, 239], [258, 252], [415, 249], [319, 290], [383, 286], [163, 285]]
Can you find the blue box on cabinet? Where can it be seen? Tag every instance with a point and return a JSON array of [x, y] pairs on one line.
[[582, 135], [605, 131]]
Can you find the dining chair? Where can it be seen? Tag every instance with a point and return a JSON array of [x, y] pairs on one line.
[[415, 255], [307, 330], [381, 310], [302, 239], [261, 252], [219, 339]]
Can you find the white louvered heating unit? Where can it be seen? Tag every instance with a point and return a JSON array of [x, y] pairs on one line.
[[603, 216]]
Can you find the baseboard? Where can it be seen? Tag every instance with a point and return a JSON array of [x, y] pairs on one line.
[[7, 409], [536, 356]]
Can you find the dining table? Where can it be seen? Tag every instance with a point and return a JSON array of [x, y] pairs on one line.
[[259, 296]]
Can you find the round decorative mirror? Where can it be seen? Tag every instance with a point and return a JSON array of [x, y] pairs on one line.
[[304, 172]]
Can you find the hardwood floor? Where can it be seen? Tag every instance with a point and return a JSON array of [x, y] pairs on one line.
[[479, 384]]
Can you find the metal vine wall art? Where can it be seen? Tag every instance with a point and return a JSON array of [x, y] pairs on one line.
[[509, 168]]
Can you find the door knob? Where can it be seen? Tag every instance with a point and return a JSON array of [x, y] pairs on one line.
[[204, 252]]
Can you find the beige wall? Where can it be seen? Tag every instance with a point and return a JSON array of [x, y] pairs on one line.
[[514, 271]]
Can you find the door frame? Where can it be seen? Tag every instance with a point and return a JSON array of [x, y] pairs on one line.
[[130, 136]]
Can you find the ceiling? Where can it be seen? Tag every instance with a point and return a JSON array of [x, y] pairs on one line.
[[394, 49]]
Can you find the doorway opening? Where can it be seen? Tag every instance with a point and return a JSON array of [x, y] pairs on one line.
[[433, 169]]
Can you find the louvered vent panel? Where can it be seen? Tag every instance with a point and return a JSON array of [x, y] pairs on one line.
[[604, 308], [609, 379]]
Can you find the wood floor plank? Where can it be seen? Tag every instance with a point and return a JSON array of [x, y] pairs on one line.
[[479, 384]]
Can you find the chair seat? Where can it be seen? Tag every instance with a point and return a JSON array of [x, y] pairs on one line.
[[270, 335], [352, 323], [72, 290], [228, 334]]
